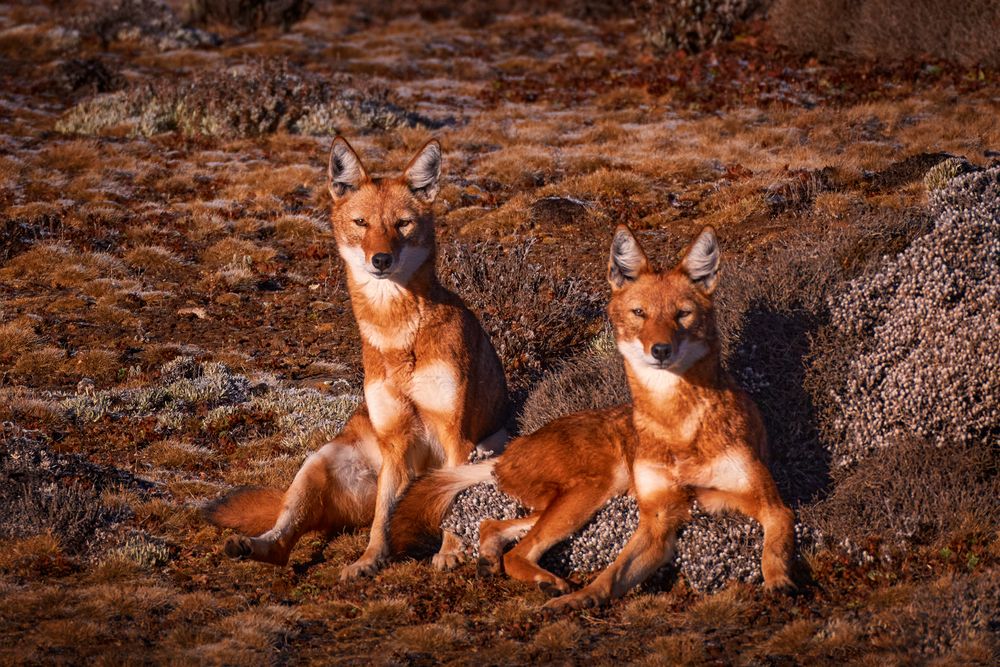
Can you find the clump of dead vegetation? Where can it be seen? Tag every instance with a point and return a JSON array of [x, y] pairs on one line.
[[590, 381], [242, 101], [143, 22], [692, 25], [248, 14], [891, 30]]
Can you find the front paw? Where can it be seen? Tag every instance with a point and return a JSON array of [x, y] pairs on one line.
[[554, 587], [781, 585], [581, 599], [487, 567], [363, 567], [238, 547], [445, 561]]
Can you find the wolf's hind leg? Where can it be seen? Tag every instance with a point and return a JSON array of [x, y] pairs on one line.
[[494, 536], [334, 489], [566, 514]]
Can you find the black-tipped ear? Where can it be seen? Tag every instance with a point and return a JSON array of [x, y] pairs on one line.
[[345, 171], [627, 261], [424, 172], [701, 264]]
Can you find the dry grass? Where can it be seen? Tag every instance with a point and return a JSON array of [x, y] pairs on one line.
[[154, 261], [16, 337], [727, 608], [682, 648]]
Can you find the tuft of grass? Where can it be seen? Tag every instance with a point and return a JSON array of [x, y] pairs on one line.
[[386, 613], [557, 637], [39, 555], [236, 252], [430, 639], [16, 336], [39, 367], [154, 261], [101, 366], [726, 608], [682, 648]]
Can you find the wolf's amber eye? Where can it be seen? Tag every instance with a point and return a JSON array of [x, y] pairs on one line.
[[639, 312], [360, 222], [403, 223], [681, 314]]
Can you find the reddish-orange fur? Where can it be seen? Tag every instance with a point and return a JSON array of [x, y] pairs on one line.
[[249, 510], [434, 386], [690, 433]]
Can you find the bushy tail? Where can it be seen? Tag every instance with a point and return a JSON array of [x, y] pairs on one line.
[[419, 514], [252, 511]]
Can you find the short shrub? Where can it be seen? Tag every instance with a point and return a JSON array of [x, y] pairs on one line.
[[914, 492], [891, 29], [591, 381], [147, 22], [692, 25], [248, 14], [46, 493], [532, 317], [911, 350], [242, 101]]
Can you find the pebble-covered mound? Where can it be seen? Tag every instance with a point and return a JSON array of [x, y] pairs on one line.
[[711, 550], [927, 365], [925, 320]]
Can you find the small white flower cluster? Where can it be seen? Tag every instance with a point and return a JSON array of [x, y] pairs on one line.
[[926, 327]]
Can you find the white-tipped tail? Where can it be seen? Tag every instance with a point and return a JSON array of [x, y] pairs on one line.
[[419, 513]]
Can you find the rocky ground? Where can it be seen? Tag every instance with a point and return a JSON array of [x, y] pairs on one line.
[[173, 319]]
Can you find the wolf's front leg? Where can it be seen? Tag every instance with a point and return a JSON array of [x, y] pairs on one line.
[[393, 478], [650, 547]]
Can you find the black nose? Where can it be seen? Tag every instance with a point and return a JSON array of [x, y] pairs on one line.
[[382, 261], [661, 351]]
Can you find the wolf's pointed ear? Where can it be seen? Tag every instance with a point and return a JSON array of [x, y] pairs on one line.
[[701, 264], [345, 171], [424, 171], [627, 261]]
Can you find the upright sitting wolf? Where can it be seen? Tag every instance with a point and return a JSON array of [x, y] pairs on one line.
[[433, 384], [690, 433]]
